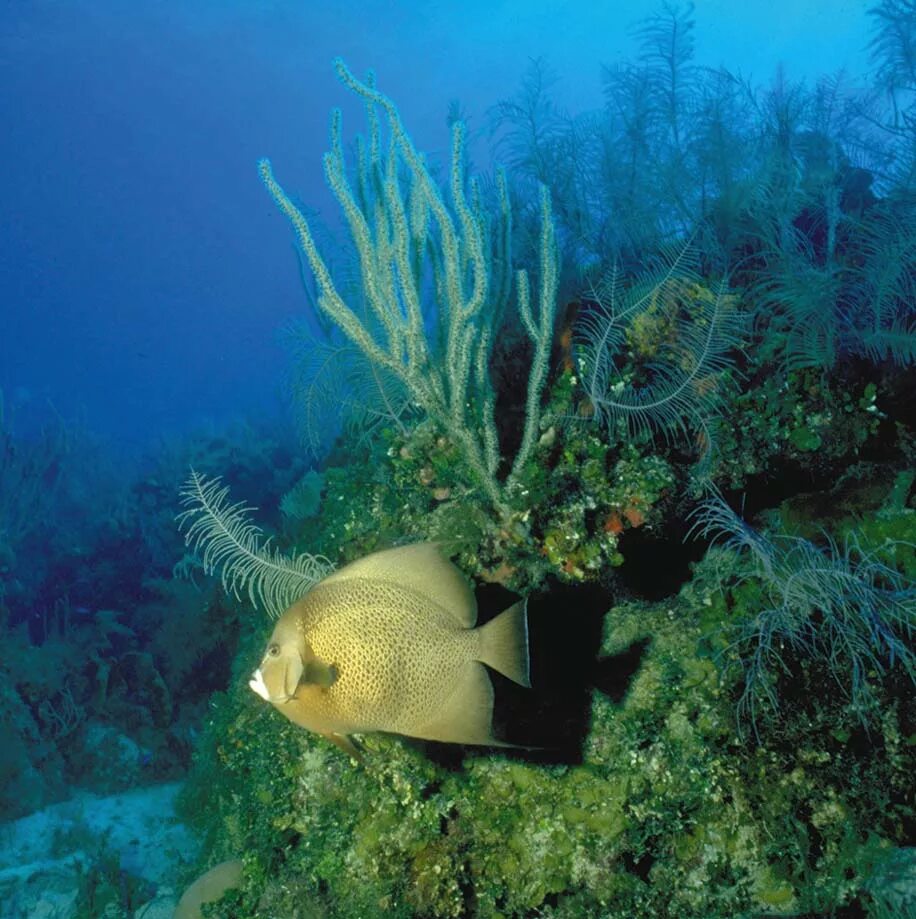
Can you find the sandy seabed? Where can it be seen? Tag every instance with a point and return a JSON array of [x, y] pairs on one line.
[[44, 855]]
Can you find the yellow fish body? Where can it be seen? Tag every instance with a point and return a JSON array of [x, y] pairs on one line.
[[389, 643]]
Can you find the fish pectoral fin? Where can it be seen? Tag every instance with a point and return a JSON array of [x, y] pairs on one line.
[[319, 673], [347, 743], [466, 714]]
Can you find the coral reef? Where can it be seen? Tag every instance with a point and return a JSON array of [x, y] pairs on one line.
[[706, 287], [710, 773], [403, 235], [667, 812], [108, 648], [842, 606]]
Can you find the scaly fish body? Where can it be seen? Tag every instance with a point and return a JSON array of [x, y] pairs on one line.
[[391, 650], [388, 644]]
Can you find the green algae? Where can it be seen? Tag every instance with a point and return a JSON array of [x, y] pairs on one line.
[[670, 806], [669, 812]]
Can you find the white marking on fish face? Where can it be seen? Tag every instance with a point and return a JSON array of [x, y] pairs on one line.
[[258, 685]]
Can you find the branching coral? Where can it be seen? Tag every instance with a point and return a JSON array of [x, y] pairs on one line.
[[410, 242], [893, 48]]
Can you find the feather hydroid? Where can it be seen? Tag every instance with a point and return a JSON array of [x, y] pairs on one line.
[[698, 330], [224, 537]]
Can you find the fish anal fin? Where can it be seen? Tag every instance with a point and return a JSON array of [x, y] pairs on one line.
[[467, 714], [504, 643]]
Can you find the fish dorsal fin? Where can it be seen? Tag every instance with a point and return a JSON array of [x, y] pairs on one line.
[[421, 568]]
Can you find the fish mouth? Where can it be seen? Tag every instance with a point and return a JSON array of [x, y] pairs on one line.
[[258, 685]]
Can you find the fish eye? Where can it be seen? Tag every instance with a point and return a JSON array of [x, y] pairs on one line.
[[273, 650]]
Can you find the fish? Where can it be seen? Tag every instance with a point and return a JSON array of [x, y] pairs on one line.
[[390, 643], [209, 888]]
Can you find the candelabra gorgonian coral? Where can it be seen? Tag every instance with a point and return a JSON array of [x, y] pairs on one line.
[[433, 278]]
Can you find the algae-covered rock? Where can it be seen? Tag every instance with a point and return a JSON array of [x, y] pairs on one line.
[[31, 769], [667, 811], [666, 803]]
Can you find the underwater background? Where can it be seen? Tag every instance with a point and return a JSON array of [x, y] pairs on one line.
[[615, 304]]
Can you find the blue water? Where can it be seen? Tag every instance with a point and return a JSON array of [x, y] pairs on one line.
[[144, 274]]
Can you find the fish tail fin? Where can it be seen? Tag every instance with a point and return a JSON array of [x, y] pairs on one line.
[[504, 643]]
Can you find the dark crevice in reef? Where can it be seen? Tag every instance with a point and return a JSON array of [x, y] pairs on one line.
[[640, 866], [656, 564], [549, 722]]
